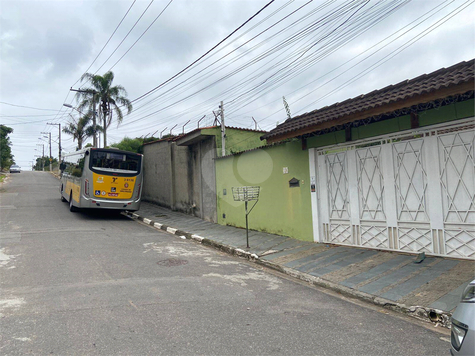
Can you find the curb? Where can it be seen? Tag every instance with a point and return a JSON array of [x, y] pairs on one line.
[[435, 316]]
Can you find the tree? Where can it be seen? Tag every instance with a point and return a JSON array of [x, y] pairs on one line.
[[42, 162], [6, 157], [129, 144], [108, 98], [80, 130], [133, 144]]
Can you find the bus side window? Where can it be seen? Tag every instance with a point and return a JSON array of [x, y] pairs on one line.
[[76, 169], [69, 168], [81, 164]]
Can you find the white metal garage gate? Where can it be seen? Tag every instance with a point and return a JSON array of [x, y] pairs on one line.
[[412, 192]]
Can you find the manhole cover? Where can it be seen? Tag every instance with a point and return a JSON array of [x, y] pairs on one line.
[[171, 262]]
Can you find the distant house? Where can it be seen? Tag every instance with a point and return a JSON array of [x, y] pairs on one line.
[[392, 169]]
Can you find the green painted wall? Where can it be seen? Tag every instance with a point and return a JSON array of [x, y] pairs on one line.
[[281, 210], [447, 113], [451, 112], [237, 140]]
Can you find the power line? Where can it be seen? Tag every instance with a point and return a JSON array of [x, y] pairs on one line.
[[234, 72], [248, 64], [394, 53], [128, 33], [208, 86], [106, 42], [172, 92], [156, 18], [26, 107], [202, 56], [315, 80]]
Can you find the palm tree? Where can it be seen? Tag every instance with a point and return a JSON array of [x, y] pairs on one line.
[[80, 130], [109, 98]]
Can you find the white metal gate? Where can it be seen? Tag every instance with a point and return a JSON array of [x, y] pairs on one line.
[[412, 192]]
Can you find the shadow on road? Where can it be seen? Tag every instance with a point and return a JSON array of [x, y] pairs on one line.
[[101, 214]]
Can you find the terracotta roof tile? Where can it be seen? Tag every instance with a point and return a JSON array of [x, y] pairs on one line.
[[460, 73]]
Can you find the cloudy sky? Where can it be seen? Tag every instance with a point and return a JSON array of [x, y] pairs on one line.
[[315, 53]]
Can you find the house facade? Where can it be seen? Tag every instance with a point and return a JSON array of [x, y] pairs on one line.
[[394, 169], [281, 172]]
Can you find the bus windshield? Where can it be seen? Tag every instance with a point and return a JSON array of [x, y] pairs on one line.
[[117, 162]]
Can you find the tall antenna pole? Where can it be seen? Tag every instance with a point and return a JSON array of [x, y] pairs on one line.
[[223, 131], [59, 133], [50, 154], [286, 108]]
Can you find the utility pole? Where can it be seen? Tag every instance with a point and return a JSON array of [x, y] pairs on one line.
[[50, 155], [59, 133], [94, 138], [223, 131]]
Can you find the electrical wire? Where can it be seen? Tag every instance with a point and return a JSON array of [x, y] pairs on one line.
[[208, 86], [360, 54], [105, 45], [202, 56], [394, 53], [26, 107], [127, 35], [156, 18], [174, 103]]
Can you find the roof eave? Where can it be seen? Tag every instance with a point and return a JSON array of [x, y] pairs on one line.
[[380, 110]]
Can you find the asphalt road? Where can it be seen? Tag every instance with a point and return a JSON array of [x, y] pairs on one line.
[[92, 283]]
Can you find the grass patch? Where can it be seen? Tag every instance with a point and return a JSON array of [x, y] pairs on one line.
[[2, 177]]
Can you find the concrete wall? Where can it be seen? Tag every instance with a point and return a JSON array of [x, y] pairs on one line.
[[203, 180], [157, 173], [166, 172], [281, 209], [208, 180], [181, 178]]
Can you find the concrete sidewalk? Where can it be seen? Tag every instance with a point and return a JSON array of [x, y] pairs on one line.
[[429, 290]]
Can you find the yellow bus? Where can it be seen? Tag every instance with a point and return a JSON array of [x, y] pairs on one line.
[[103, 178]]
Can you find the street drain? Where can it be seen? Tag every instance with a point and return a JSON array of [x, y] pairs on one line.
[[172, 262], [160, 216]]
